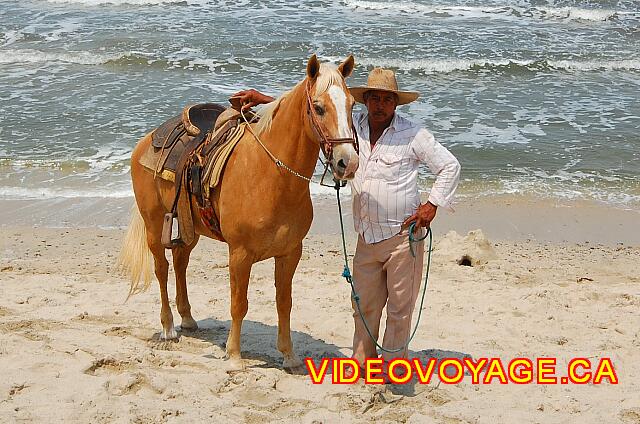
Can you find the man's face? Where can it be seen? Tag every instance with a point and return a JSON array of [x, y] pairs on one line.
[[380, 105]]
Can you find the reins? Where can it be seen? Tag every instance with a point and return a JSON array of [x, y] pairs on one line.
[[275, 160]]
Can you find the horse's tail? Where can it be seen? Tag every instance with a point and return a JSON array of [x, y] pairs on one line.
[[135, 259]]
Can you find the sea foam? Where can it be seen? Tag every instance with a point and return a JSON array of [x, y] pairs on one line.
[[129, 2], [36, 56], [65, 193], [498, 12], [445, 66]]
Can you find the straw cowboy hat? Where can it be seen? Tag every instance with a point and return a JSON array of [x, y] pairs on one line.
[[383, 80]]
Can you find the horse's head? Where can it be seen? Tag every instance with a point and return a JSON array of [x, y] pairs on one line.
[[329, 106]]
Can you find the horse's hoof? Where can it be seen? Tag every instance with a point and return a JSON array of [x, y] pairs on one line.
[[234, 365], [294, 366], [296, 370], [189, 324], [170, 334]]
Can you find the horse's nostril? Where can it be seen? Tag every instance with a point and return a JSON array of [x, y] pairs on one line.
[[341, 164]]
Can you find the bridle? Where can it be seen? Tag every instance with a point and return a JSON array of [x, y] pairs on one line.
[[327, 143]]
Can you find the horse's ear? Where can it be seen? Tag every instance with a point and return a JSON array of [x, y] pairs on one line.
[[313, 67], [346, 67]]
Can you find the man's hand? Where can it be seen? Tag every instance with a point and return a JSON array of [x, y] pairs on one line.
[[249, 98], [423, 216]]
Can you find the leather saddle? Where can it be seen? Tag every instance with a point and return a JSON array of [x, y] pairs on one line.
[[194, 122], [191, 151]]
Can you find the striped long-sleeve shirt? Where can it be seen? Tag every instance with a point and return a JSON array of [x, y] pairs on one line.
[[385, 187]]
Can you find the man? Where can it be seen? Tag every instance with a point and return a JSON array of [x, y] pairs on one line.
[[385, 203]]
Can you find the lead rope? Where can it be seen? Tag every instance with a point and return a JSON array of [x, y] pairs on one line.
[[346, 273], [275, 160]]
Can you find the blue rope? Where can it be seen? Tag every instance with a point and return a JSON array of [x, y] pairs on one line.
[[346, 273]]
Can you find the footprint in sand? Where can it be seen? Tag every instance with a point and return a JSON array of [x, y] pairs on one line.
[[129, 383], [184, 344], [120, 379], [31, 329], [626, 300], [106, 366], [128, 332], [439, 397], [117, 332], [630, 416]]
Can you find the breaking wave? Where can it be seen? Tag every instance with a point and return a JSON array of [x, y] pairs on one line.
[[498, 12], [511, 66], [433, 66], [130, 2], [65, 193], [36, 56]]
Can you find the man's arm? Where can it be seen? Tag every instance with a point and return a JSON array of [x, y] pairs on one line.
[[249, 98], [445, 167]]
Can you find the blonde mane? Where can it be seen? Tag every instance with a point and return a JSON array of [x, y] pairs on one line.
[[267, 113], [327, 77]]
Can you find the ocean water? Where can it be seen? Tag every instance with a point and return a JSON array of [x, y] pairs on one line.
[[535, 97]]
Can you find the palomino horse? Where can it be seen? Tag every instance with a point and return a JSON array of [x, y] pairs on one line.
[[265, 210]]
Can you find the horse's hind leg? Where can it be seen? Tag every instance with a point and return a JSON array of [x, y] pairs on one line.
[[180, 263], [153, 220], [149, 201], [285, 268], [162, 273]]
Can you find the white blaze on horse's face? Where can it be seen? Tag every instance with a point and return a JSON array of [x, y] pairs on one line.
[[345, 158], [339, 100]]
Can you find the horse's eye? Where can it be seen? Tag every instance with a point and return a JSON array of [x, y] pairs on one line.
[[319, 109]]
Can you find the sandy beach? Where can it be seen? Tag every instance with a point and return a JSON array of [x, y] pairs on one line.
[[561, 281]]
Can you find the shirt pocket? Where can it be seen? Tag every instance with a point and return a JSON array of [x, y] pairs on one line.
[[391, 167]]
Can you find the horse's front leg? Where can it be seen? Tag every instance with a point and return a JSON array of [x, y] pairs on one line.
[[240, 263], [285, 268]]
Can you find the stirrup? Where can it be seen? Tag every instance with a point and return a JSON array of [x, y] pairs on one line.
[[170, 231]]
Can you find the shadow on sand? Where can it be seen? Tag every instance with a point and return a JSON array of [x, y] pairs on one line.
[[409, 388], [259, 345], [258, 342]]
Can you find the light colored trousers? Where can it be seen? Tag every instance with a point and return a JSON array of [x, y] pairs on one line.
[[385, 273]]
